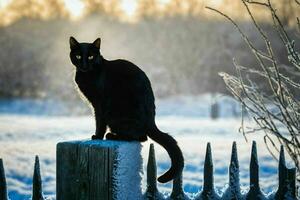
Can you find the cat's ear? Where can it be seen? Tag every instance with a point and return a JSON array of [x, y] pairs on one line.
[[73, 43], [97, 43]]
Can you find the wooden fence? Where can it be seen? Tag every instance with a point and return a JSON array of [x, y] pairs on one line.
[[66, 186]]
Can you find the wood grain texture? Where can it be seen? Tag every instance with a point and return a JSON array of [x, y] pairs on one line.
[[85, 170]]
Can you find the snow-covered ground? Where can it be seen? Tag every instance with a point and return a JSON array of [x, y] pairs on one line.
[[23, 135]]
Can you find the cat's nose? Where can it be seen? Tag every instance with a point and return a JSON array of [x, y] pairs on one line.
[[85, 65]]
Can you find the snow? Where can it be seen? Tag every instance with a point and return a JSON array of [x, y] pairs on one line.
[[191, 106], [157, 196], [128, 172], [197, 106], [26, 134]]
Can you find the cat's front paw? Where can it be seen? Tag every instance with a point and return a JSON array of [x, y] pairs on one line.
[[96, 137], [111, 136]]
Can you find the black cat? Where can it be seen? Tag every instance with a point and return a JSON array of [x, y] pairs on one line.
[[123, 100]]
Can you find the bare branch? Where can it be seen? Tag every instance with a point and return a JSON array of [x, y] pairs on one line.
[[277, 114]]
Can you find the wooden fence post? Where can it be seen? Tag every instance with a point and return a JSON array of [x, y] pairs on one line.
[[98, 169]]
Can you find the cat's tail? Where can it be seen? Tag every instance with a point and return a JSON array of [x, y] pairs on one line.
[[170, 144]]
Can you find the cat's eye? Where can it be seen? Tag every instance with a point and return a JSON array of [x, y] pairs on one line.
[[90, 57], [78, 57]]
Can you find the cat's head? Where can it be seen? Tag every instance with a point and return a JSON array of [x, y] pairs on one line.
[[85, 56]]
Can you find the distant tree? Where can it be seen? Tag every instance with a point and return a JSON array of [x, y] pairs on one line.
[[185, 8], [147, 9], [36, 9], [108, 7], [214, 108], [287, 11]]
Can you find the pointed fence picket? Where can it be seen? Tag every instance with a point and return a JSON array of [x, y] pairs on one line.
[[286, 177], [37, 190], [254, 191], [152, 191], [286, 186], [3, 188], [208, 191]]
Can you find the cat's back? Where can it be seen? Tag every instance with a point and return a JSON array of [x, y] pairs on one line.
[[123, 67], [126, 81], [124, 74]]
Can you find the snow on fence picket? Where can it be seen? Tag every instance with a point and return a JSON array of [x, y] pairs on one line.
[[116, 165]]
